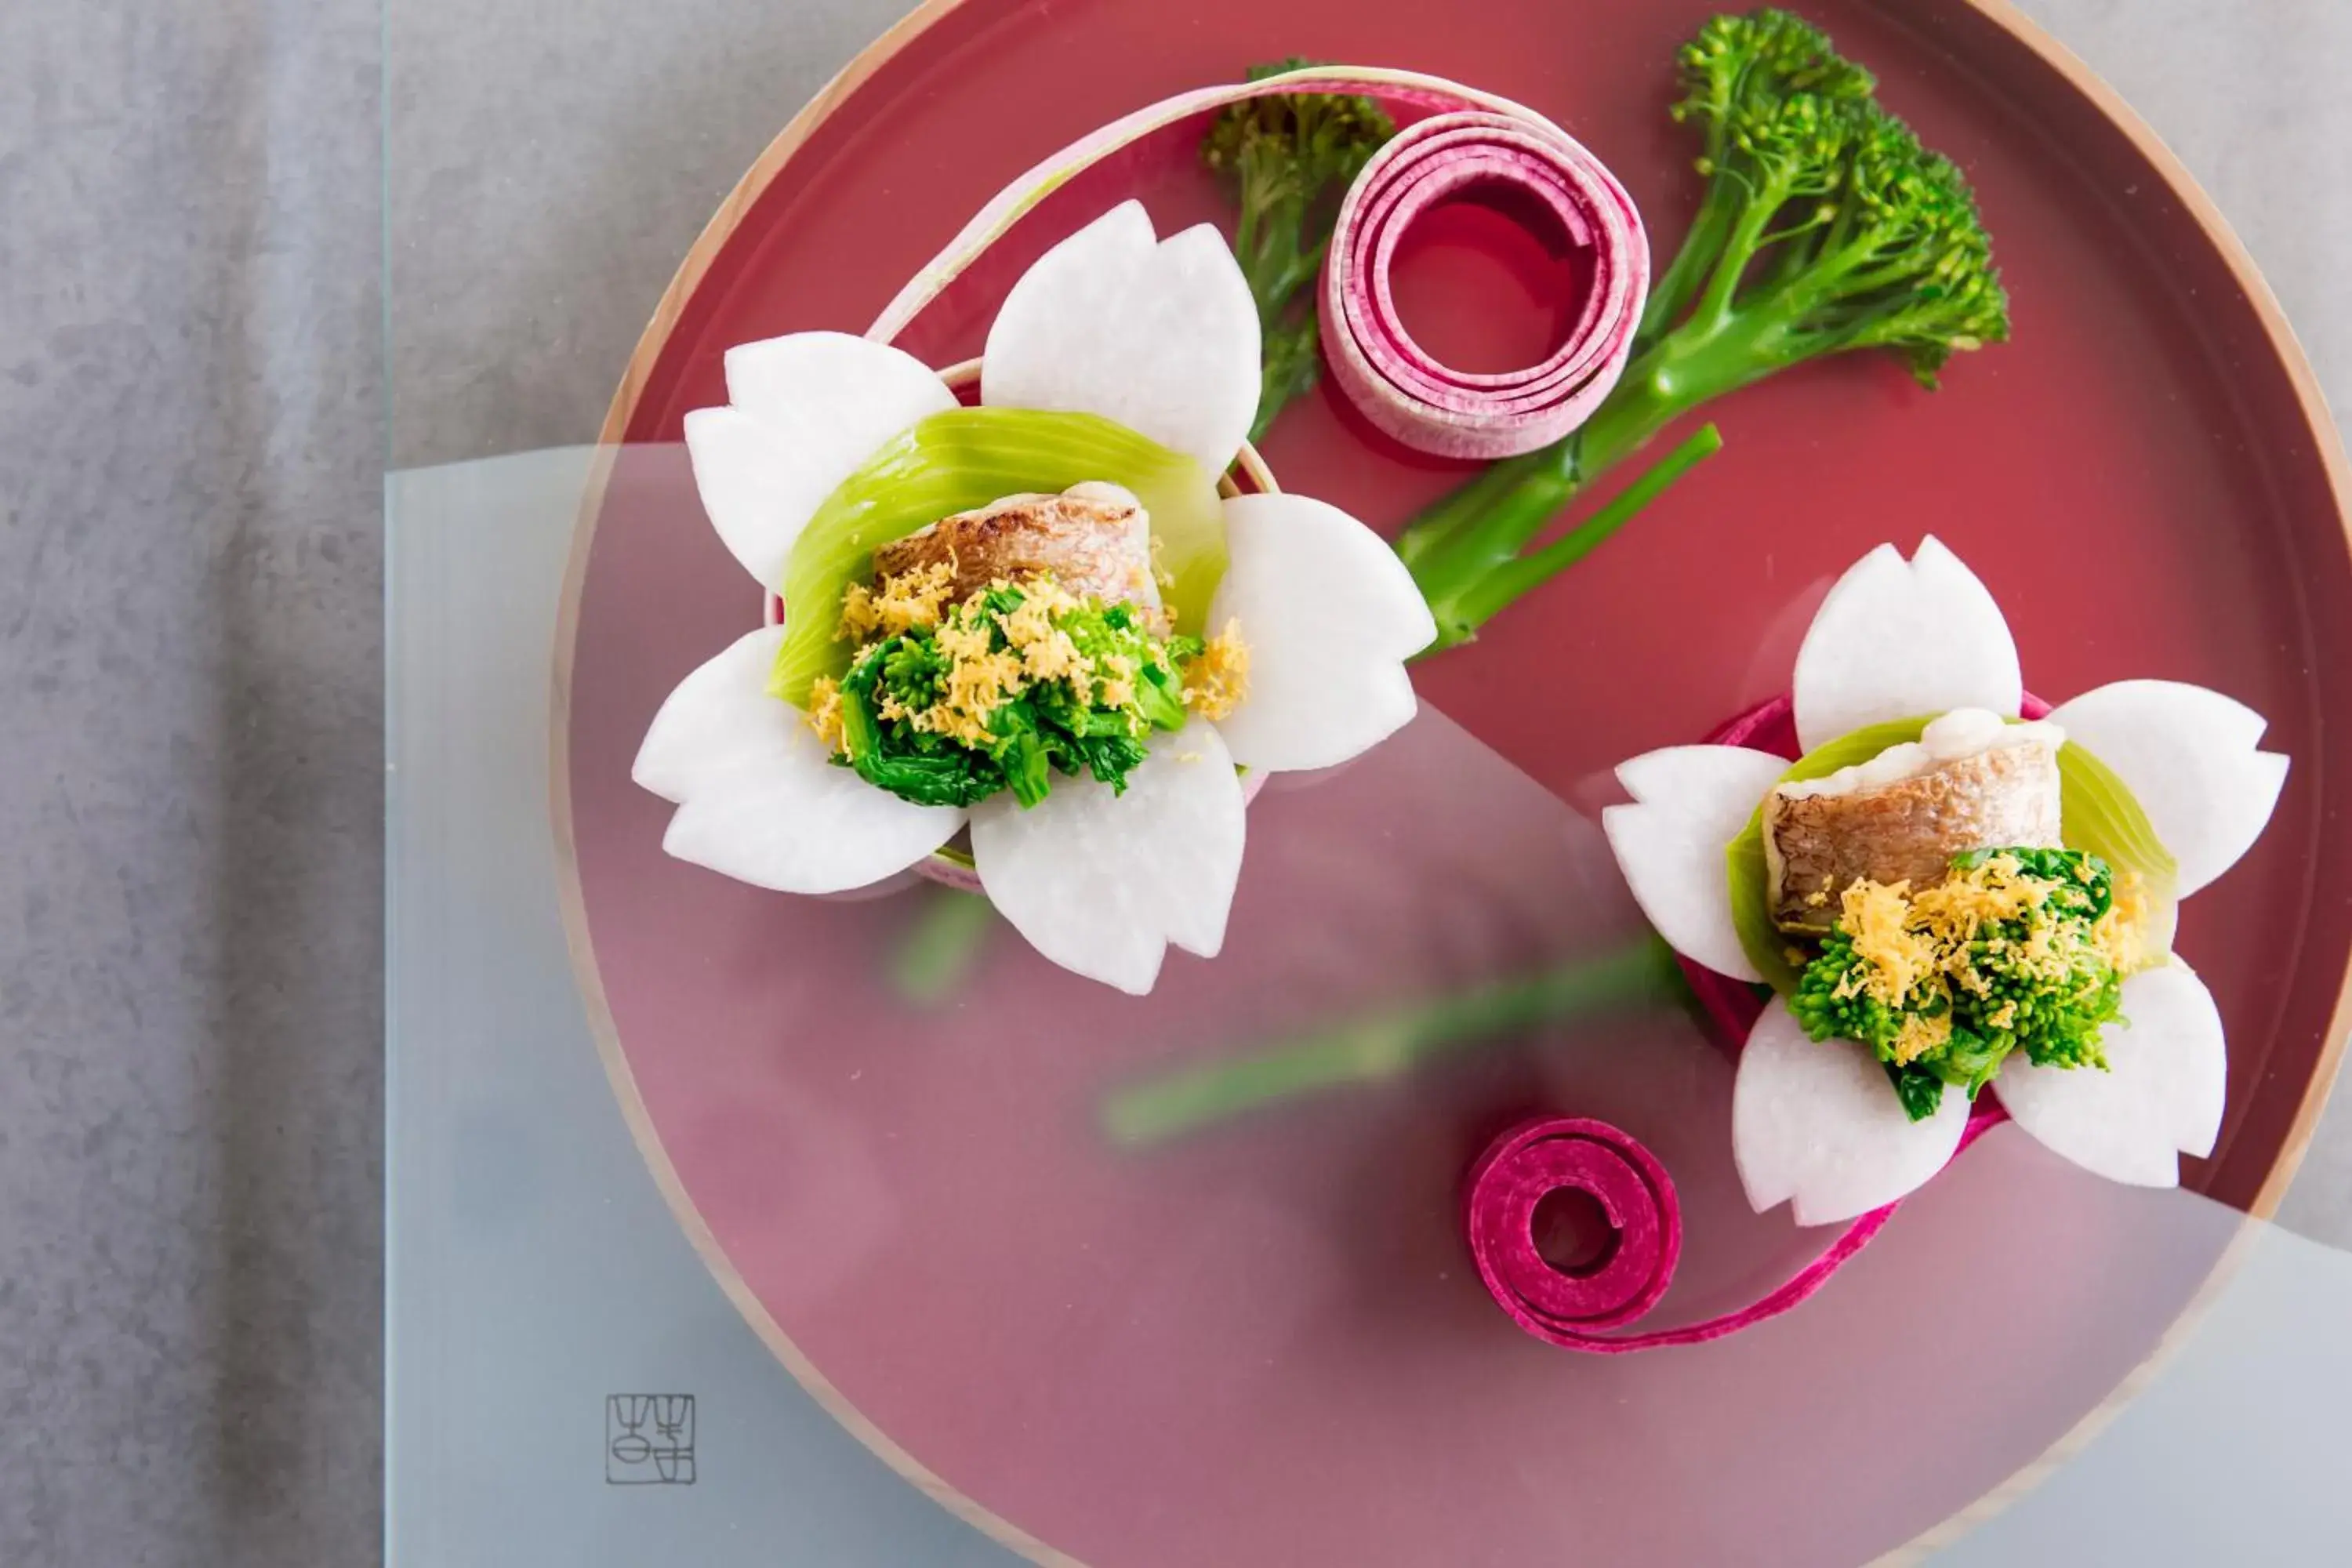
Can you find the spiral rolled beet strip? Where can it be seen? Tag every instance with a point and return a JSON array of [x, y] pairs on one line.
[[1551, 1154], [1577, 1308], [1519, 165]]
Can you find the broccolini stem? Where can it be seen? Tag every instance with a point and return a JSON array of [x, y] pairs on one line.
[[1464, 504], [1492, 540], [1248, 244], [1498, 589], [1382, 1046], [1672, 290], [1297, 271], [1481, 529], [1739, 248]]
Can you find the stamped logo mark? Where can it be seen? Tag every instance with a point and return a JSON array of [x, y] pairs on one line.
[[649, 1440]]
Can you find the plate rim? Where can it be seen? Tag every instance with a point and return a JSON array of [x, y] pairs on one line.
[[2286, 348]]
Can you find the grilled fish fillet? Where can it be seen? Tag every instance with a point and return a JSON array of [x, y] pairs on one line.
[[1902, 816], [1094, 539]]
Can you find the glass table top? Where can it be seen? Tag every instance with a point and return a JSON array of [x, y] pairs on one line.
[[544, 1303], [567, 1381]]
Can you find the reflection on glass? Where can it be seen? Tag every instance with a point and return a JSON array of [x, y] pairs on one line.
[[1385, 1044], [945, 937]]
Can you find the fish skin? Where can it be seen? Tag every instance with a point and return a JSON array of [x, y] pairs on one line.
[[1094, 540], [1906, 831]]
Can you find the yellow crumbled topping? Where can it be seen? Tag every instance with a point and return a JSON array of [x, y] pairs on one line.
[[1896, 955], [978, 683], [981, 677], [1903, 937], [896, 604], [1216, 683], [2122, 931], [1921, 1033], [2000, 954], [1115, 688], [1159, 573], [1046, 649], [1919, 945], [1915, 945], [825, 713], [994, 655]]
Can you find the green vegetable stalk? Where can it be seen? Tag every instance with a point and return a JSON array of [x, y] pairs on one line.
[[1288, 158], [1825, 227], [1384, 1045]]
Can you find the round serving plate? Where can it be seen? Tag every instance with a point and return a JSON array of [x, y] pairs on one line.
[[1264, 1342]]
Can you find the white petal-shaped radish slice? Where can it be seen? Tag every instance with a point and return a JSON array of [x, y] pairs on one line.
[[761, 802], [1898, 637], [1199, 893], [792, 822], [806, 410], [1689, 803], [1161, 336], [1816, 1121], [716, 712], [1100, 883], [2188, 756], [2167, 1074], [1329, 615], [833, 382]]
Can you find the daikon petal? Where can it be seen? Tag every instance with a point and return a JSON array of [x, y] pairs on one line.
[[1898, 638], [2188, 756], [1329, 615], [1816, 1121], [719, 711], [2167, 1074], [762, 802], [1100, 882], [1160, 335], [1689, 803], [806, 411]]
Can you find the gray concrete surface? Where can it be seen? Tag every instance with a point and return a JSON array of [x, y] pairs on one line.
[[192, 435], [190, 456]]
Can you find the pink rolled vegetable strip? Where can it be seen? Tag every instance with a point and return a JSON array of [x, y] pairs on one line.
[[1550, 1154], [1517, 162], [1575, 1309]]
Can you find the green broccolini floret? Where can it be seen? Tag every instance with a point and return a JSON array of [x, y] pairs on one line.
[[2019, 949], [1288, 158], [1826, 226]]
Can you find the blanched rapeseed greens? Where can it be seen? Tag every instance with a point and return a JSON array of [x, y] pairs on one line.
[[2018, 950], [947, 704]]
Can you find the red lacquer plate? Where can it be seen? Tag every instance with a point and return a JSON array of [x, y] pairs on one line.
[[1265, 1343]]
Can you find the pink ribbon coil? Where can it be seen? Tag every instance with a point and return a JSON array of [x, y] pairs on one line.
[[1549, 1154], [1480, 155]]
